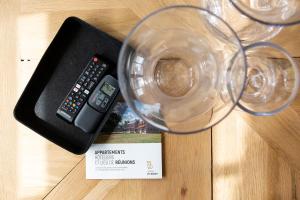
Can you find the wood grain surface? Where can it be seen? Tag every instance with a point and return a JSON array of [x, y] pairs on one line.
[[8, 135], [245, 167], [243, 157]]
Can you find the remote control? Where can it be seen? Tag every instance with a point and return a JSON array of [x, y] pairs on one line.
[[98, 104], [104, 94], [82, 88]]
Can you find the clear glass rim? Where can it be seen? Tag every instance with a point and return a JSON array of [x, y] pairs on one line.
[[244, 12], [297, 81], [121, 75]]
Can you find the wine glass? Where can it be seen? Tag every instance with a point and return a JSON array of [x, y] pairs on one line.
[[272, 79], [178, 73], [249, 31], [272, 12]]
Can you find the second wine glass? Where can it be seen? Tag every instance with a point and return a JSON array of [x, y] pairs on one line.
[[249, 31], [272, 79], [271, 12]]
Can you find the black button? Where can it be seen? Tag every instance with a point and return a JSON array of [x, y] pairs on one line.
[[106, 100], [91, 85]]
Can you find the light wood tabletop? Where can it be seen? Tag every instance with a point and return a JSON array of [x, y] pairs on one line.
[[243, 157]]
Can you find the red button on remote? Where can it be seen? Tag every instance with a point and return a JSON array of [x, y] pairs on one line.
[[95, 59]]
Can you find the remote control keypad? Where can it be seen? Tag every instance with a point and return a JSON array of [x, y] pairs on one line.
[[82, 88]]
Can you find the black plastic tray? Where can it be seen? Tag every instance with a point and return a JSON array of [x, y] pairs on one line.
[[69, 52]]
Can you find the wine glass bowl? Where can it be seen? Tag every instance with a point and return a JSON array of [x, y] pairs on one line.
[[272, 12], [179, 75]]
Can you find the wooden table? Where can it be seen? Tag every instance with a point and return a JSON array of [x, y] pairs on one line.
[[230, 161]]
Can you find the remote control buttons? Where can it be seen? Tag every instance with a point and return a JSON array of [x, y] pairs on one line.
[[90, 86], [104, 94], [82, 88], [86, 91], [104, 103], [78, 86]]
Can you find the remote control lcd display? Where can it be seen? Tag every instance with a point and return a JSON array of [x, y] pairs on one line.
[[108, 89]]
